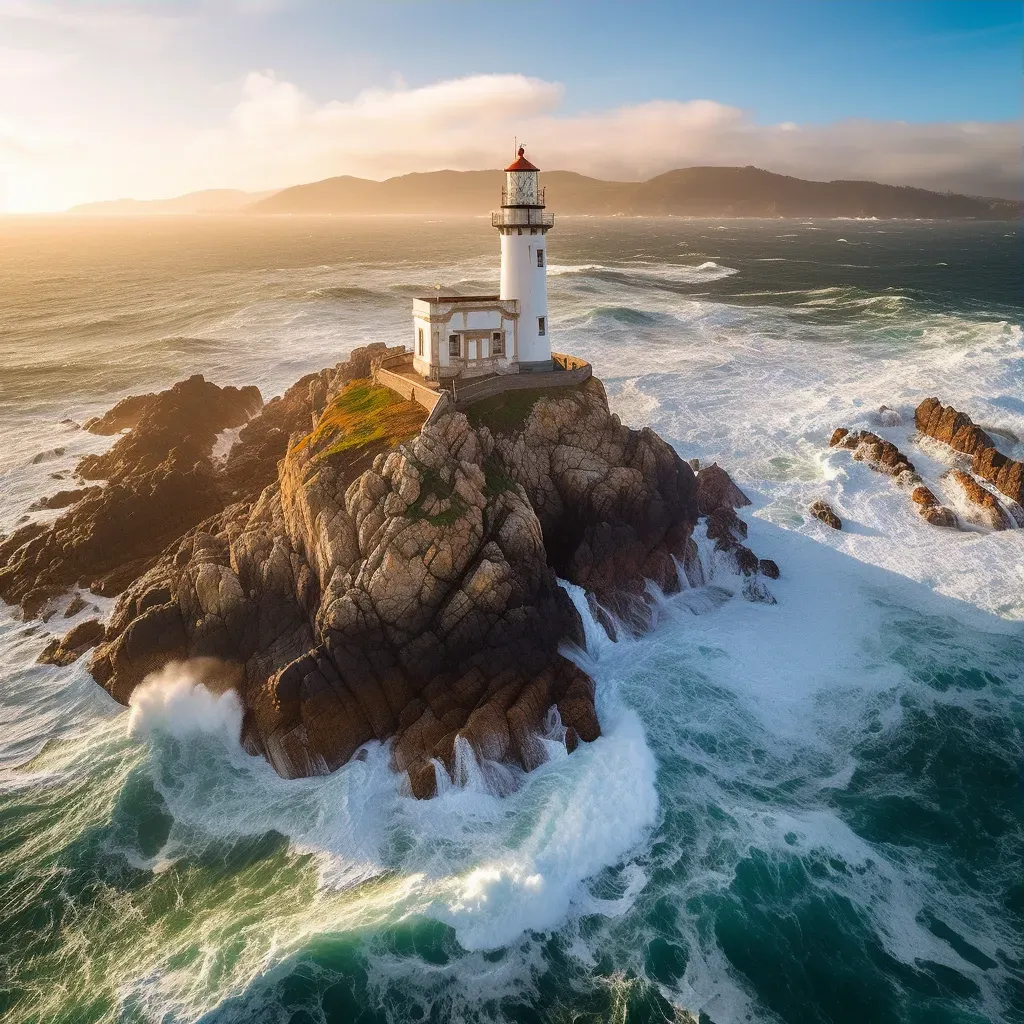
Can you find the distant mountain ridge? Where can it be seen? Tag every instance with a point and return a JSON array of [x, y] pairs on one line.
[[211, 200], [686, 192]]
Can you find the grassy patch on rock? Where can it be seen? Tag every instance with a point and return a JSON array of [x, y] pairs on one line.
[[508, 412], [363, 415]]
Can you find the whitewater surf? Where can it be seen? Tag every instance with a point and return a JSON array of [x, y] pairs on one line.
[[797, 811]]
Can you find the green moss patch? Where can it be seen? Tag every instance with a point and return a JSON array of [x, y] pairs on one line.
[[497, 481], [432, 484], [363, 415], [508, 412]]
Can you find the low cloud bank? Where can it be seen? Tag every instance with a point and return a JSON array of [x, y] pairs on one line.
[[470, 122], [277, 135]]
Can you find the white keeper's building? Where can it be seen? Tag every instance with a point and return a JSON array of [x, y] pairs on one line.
[[470, 335]]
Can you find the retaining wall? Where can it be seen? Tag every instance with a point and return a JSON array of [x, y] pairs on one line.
[[427, 397], [576, 372], [571, 371]]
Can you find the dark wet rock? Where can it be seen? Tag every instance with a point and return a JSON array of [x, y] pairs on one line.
[[868, 447], [183, 421], [73, 644], [884, 457], [74, 606], [958, 430], [939, 515], [768, 567], [717, 498], [123, 416], [373, 578], [823, 511], [880, 454], [53, 453], [931, 509], [1000, 470], [716, 490], [987, 509], [64, 498], [754, 589], [161, 482]]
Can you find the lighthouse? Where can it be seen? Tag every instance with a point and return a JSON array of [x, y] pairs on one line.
[[523, 224], [464, 336]]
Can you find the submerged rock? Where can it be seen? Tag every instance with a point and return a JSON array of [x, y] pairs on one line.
[[823, 511], [73, 644], [958, 430], [884, 457], [988, 512]]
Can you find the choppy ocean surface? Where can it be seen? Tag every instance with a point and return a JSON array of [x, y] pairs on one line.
[[811, 811]]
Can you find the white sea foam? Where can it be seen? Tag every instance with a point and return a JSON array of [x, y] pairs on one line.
[[731, 732], [491, 860], [644, 273]]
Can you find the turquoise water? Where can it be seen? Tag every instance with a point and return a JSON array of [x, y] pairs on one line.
[[805, 811]]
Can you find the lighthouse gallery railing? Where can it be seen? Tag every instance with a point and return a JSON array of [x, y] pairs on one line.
[[522, 217]]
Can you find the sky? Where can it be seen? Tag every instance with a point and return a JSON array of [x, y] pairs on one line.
[[154, 98]]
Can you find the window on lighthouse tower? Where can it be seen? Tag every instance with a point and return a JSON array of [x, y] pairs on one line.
[[540, 325], [540, 257]]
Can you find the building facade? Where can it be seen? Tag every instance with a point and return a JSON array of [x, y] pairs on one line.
[[472, 335]]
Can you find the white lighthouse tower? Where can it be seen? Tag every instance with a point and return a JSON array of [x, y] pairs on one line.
[[523, 224], [463, 336]]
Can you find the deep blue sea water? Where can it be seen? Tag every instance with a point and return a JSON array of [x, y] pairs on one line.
[[811, 811]]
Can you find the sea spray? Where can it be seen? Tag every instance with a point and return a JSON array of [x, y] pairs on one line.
[[179, 701]]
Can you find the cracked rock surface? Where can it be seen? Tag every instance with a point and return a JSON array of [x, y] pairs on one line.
[[408, 591], [397, 581]]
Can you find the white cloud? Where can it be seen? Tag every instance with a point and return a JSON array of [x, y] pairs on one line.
[[281, 135]]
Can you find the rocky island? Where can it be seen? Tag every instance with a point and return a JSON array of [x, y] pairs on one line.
[[360, 573]]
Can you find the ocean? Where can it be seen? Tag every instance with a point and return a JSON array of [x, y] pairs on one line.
[[807, 811]]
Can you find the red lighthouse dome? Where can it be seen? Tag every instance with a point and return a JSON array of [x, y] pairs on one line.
[[521, 164]]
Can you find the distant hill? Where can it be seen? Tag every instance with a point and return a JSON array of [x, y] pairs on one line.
[[212, 200], [688, 192]]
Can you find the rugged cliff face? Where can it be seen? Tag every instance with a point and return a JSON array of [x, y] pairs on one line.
[[396, 580], [160, 482]]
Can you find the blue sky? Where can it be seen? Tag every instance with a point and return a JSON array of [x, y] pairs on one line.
[[815, 60], [109, 98]]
